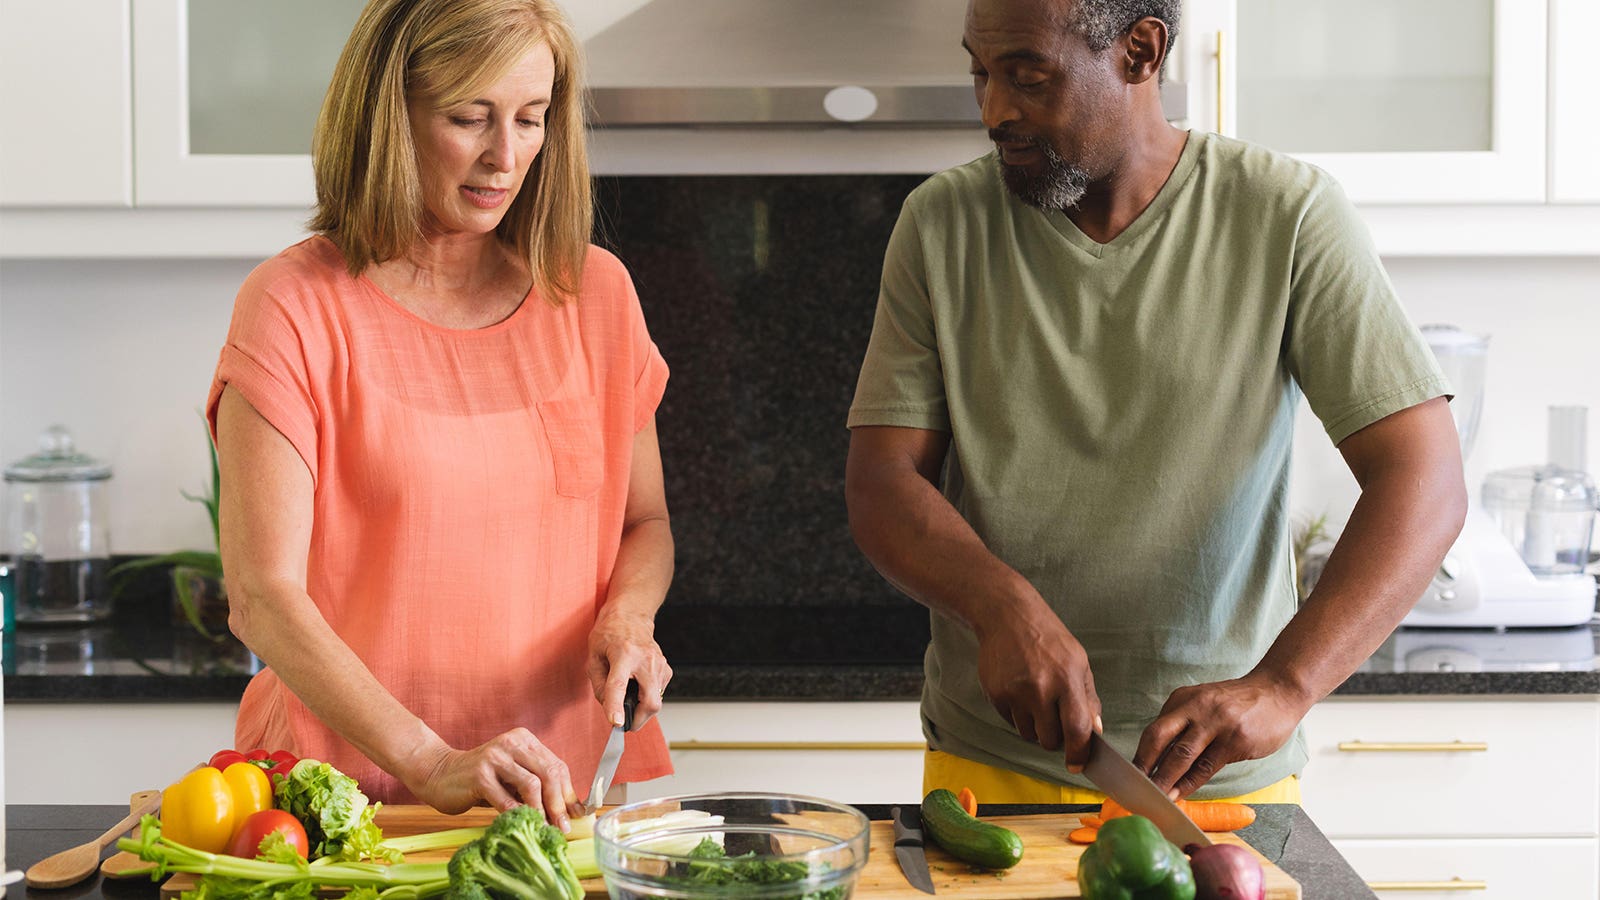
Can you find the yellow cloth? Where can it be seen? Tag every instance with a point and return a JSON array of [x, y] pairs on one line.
[[996, 785]]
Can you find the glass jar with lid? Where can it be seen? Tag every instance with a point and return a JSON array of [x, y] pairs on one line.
[[58, 533]]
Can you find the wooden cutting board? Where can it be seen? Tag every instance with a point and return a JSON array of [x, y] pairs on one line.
[[1049, 866]]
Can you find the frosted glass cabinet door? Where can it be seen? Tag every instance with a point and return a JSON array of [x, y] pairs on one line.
[[1404, 101], [227, 94]]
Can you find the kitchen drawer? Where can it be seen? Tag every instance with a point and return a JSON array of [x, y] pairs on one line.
[[853, 752], [1479, 869], [1467, 768]]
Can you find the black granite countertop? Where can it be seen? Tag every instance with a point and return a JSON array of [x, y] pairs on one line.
[[1282, 833], [814, 653]]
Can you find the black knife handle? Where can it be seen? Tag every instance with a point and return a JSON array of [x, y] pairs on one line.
[[907, 826], [630, 699]]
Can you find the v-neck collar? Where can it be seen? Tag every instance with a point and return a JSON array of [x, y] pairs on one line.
[[1188, 160]]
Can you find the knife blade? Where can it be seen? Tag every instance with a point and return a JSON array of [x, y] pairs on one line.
[[1123, 782], [908, 850], [612, 754]]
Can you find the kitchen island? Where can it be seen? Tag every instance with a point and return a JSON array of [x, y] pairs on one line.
[[1281, 833], [823, 701]]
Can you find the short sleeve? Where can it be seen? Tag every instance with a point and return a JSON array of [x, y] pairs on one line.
[[650, 368], [1350, 346], [265, 359], [902, 377]]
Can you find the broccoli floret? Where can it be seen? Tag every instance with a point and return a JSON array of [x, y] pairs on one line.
[[519, 857]]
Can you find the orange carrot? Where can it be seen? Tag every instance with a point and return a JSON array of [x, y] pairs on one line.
[[1210, 815], [969, 801], [1089, 821], [1111, 809], [1217, 815], [1083, 835]]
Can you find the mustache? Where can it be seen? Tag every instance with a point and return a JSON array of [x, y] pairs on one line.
[[1001, 136]]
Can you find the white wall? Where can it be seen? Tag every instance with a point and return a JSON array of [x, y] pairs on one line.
[[122, 352], [1543, 319]]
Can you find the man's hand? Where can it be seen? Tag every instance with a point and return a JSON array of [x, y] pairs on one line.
[[1206, 726], [1037, 676]]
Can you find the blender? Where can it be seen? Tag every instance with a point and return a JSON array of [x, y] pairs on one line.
[[1521, 557]]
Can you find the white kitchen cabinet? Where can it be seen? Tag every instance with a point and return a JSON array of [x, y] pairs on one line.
[[184, 129], [851, 752], [854, 752], [1575, 113], [64, 99], [227, 93], [1557, 868], [1419, 792], [1403, 101]]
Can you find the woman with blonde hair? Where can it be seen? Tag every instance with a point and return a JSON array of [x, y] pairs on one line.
[[443, 522]]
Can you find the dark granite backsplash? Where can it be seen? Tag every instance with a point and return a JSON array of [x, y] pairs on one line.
[[760, 292]]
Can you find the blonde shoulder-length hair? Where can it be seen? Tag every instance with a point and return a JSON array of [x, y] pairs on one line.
[[369, 195]]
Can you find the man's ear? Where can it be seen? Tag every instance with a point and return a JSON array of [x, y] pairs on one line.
[[1144, 50]]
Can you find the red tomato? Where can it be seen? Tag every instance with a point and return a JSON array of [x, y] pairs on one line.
[[247, 839]]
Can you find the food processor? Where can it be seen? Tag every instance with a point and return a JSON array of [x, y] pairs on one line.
[[1522, 555]]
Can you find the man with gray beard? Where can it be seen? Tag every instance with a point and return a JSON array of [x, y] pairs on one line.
[[1071, 434]]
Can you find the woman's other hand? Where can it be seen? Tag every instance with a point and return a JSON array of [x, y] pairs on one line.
[[511, 769], [622, 645]]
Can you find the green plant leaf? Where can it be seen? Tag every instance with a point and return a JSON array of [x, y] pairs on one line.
[[184, 588]]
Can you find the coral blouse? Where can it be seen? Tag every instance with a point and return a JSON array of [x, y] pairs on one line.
[[469, 496]]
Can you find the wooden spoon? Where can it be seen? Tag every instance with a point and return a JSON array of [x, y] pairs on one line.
[[72, 866], [123, 864]]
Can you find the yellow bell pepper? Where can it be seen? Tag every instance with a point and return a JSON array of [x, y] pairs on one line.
[[204, 807]]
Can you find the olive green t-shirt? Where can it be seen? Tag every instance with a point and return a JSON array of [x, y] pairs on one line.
[[1120, 416]]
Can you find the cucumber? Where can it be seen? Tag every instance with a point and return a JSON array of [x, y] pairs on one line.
[[966, 838]]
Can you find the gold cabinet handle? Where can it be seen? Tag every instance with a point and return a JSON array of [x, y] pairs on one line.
[[1413, 747], [1454, 884], [797, 745], [1222, 82]]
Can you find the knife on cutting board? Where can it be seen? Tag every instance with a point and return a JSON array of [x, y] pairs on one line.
[[1123, 782], [612, 754], [908, 851]]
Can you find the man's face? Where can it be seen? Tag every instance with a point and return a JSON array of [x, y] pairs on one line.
[[1052, 106]]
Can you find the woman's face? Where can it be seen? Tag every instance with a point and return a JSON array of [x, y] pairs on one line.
[[473, 157]]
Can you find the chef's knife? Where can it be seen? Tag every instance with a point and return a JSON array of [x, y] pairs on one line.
[[613, 751], [1124, 783], [908, 850]]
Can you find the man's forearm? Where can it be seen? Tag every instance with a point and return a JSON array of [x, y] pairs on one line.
[[1405, 521], [921, 545]]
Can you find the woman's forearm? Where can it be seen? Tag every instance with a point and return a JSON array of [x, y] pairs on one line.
[[283, 627], [643, 570]]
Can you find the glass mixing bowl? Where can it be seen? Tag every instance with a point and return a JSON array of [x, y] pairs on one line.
[[746, 845]]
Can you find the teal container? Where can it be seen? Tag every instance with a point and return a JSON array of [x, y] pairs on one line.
[[9, 623]]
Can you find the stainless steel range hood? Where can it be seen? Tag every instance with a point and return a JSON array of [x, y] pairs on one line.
[[782, 62]]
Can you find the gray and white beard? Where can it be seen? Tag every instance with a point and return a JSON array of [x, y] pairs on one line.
[[1061, 185]]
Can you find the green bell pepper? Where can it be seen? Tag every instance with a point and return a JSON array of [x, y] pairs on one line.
[[1130, 860]]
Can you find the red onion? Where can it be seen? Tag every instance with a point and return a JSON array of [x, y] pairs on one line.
[[1225, 872]]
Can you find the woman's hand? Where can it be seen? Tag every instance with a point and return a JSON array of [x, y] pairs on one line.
[[511, 769], [622, 645]]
